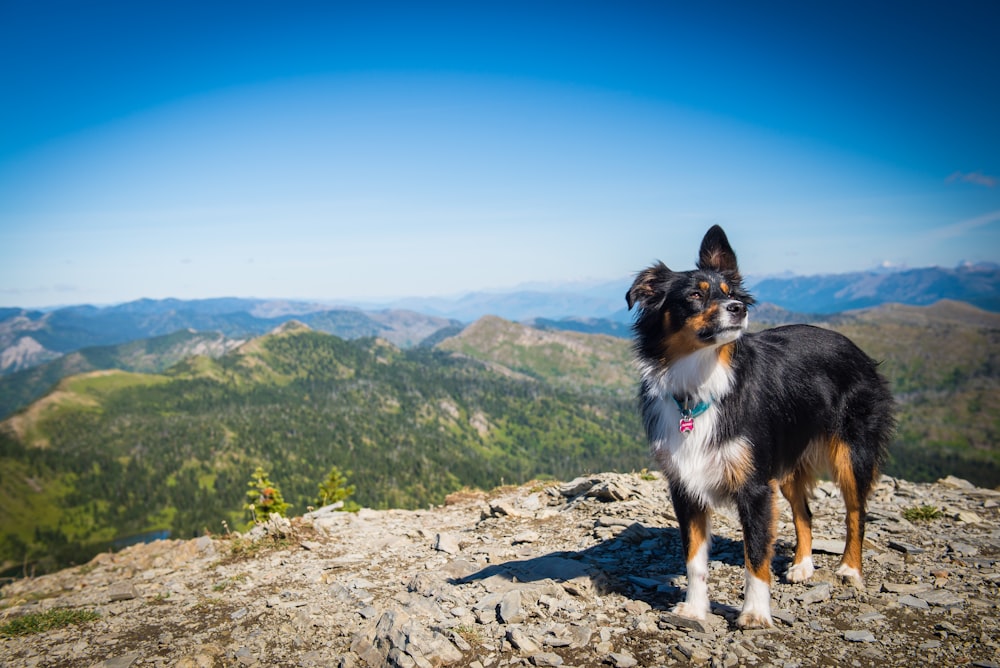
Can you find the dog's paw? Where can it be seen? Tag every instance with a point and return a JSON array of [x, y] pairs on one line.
[[851, 575], [690, 611], [754, 619], [801, 571]]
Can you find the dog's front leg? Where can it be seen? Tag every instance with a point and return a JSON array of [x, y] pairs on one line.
[[757, 515], [696, 538]]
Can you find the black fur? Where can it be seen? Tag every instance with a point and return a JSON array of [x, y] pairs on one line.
[[802, 383]]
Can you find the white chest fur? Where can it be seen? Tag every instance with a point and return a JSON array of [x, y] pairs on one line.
[[708, 468]]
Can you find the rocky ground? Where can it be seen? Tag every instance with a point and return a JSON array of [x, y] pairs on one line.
[[550, 574]]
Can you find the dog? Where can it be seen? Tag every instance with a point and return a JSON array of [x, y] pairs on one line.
[[733, 417]]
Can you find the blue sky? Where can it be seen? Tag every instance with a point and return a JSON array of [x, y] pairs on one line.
[[373, 150]]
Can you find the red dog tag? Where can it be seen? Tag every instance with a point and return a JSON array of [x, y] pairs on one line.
[[687, 425]]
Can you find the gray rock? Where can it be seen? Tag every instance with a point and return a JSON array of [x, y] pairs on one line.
[[528, 536], [122, 591], [622, 660], [610, 491], [913, 602], [509, 610], [963, 549], [430, 645], [677, 621], [824, 546], [785, 616], [123, 661], [898, 588], [520, 640], [447, 543], [816, 594], [565, 574], [578, 486], [905, 548], [942, 598], [956, 483]]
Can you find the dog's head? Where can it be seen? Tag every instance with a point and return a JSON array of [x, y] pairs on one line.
[[680, 313]]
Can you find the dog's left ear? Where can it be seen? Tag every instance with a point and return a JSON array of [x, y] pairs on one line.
[[716, 254]]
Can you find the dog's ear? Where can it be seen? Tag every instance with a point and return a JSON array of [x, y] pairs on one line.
[[649, 288], [716, 254]]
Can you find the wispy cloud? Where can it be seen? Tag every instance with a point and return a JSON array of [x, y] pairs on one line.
[[964, 227], [977, 178]]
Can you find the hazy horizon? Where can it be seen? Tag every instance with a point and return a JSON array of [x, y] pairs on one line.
[[574, 286]]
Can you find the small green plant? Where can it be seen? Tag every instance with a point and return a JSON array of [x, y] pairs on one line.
[[38, 622], [923, 513], [245, 548], [264, 497], [335, 488], [241, 547]]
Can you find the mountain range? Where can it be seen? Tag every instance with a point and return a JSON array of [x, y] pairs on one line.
[[29, 338], [113, 453], [977, 284], [149, 416]]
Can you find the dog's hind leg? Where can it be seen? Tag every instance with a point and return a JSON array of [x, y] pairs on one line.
[[796, 488], [854, 489]]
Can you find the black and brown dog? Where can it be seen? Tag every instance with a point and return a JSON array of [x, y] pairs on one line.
[[733, 417]]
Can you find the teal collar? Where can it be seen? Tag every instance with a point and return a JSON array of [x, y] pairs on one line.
[[688, 411]]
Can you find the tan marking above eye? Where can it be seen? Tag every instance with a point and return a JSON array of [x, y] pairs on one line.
[[704, 285], [724, 287]]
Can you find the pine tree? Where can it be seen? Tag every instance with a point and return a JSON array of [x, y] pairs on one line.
[[264, 497], [335, 488]]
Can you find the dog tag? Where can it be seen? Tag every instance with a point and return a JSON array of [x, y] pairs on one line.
[[687, 425]]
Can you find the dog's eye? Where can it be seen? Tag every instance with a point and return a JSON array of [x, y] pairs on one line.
[[696, 295]]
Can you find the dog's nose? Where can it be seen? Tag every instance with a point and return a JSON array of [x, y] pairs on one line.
[[737, 308]]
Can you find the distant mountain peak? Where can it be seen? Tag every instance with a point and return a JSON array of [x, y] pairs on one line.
[[291, 327]]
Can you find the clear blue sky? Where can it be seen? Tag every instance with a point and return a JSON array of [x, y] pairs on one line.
[[372, 150]]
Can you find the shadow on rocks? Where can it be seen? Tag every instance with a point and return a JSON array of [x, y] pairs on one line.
[[640, 563]]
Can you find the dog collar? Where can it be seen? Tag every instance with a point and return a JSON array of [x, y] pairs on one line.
[[689, 413]]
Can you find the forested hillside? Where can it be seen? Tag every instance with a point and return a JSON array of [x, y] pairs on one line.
[[571, 360], [942, 361], [143, 355], [111, 454]]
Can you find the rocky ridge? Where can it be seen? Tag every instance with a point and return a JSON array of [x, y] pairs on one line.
[[581, 573]]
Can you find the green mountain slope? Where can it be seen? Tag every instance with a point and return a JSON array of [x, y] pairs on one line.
[[943, 362], [111, 454], [114, 453], [570, 360], [146, 356]]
